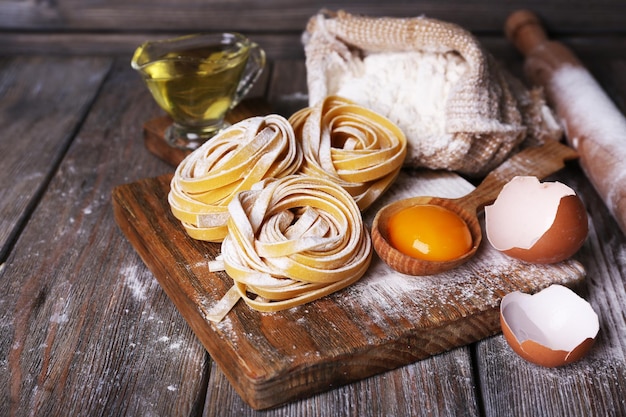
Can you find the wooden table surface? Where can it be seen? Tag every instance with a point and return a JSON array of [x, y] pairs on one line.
[[85, 328]]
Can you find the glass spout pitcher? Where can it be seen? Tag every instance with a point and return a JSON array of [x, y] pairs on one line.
[[197, 79]]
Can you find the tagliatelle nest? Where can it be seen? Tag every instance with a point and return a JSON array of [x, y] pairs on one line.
[[290, 241], [459, 110], [207, 180], [350, 145]]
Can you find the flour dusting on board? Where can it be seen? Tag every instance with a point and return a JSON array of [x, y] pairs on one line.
[[385, 294], [384, 320], [482, 280]]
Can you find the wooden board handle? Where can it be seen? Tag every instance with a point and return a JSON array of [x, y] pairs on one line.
[[594, 125]]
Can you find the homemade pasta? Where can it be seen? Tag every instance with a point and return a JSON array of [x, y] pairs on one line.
[[208, 178], [357, 148], [290, 241]]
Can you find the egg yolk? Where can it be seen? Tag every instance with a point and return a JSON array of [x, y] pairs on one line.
[[429, 232]]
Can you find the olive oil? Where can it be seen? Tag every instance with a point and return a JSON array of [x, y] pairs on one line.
[[197, 79], [197, 86]]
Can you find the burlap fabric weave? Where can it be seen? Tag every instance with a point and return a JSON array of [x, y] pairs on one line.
[[458, 108]]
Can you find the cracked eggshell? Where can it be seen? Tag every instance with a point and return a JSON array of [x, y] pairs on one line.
[[551, 328], [536, 222]]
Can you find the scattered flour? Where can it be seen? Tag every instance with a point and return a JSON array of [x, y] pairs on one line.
[[59, 318], [138, 284], [389, 299]]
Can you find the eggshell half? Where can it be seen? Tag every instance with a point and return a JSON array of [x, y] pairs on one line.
[[552, 328], [536, 222]]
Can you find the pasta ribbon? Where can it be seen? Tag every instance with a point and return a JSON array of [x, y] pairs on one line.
[[293, 240], [351, 145], [232, 161]]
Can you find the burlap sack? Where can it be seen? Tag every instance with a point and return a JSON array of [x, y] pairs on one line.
[[458, 108]]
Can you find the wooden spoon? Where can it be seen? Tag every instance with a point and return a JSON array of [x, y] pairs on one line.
[[539, 161]]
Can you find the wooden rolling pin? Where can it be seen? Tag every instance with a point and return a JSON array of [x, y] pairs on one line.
[[593, 124]]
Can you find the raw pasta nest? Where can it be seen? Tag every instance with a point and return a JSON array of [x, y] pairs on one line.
[[290, 241], [355, 147], [232, 161]]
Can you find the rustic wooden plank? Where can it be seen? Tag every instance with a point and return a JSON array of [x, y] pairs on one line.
[[595, 385], [39, 112], [84, 327], [439, 387], [384, 321], [114, 15], [41, 278], [277, 45]]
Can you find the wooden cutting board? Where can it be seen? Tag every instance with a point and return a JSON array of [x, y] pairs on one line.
[[384, 321]]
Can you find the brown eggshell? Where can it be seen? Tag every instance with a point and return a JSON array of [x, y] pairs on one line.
[[536, 222], [564, 238], [539, 354], [535, 317]]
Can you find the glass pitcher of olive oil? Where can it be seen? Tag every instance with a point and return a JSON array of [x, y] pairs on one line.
[[197, 79]]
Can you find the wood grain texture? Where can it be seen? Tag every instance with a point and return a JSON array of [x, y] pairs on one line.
[[114, 27], [284, 15], [438, 387], [85, 328], [279, 46], [37, 126], [384, 321]]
